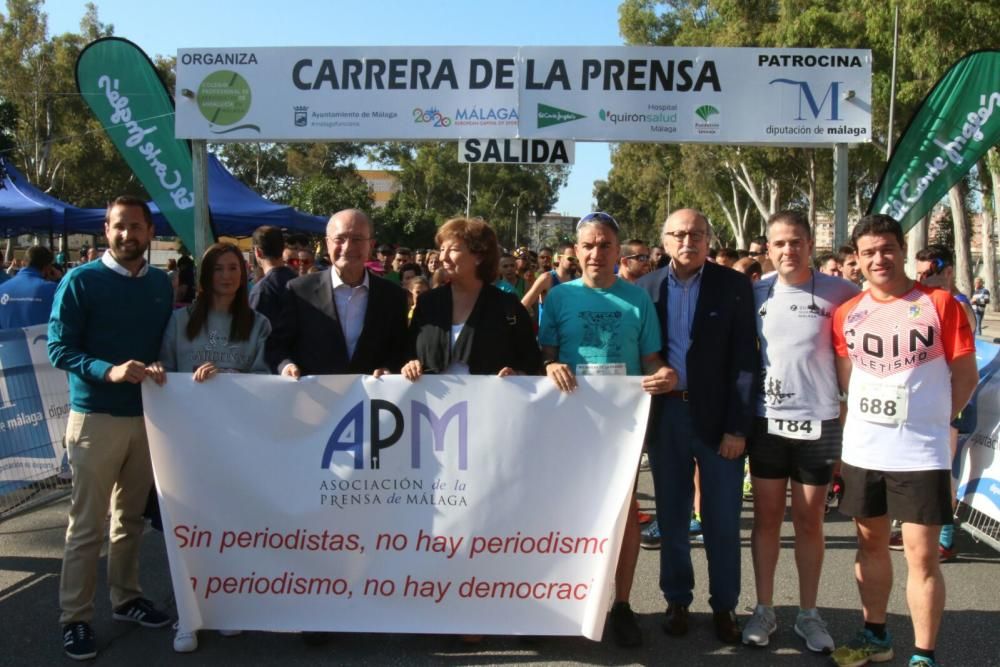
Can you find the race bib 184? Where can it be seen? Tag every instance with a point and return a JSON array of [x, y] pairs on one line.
[[795, 429]]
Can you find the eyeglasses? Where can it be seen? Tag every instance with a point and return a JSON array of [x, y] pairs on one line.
[[641, 258], [600, 217], [696, 237], [342, 239], [296, 262], [571, 259]]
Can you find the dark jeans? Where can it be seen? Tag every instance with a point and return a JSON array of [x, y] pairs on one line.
[[672, 453]]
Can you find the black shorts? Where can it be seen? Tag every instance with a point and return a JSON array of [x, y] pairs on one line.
[[804, 461], [922, 496]]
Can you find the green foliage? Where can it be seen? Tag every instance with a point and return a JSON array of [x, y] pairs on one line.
[[434, 186], [324, 195], [724, 181]]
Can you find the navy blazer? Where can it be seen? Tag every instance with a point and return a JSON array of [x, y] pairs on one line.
[[308, 334], [723, 362]]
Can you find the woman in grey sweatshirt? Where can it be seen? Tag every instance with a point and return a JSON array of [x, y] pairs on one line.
[[219, 332]]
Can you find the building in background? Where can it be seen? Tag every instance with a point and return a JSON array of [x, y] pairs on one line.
[[383, 184]]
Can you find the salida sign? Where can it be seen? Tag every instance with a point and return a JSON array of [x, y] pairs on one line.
[[518, 151]]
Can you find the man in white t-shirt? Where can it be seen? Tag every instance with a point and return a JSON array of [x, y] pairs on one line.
[[906, 357], [797, 433]]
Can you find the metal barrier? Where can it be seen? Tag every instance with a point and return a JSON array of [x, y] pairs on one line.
[[32, 495], [982, 527], [30, 482]]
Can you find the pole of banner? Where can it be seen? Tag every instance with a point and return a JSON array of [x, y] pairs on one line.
[[839, 195], [468, 191], [202, 229], [517, 218]]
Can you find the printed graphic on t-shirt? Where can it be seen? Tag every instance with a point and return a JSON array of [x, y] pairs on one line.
[[772, 391], [601, 330], [904, 335]]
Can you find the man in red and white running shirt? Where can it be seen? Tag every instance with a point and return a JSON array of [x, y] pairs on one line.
[[905, 354]]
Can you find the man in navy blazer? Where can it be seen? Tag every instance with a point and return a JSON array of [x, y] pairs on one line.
[[707, 321], [343, 320]]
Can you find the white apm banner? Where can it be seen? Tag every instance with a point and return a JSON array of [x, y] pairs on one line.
[[624, 93], [469, 505]]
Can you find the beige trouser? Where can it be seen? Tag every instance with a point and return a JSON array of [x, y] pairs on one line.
[[109, 457]]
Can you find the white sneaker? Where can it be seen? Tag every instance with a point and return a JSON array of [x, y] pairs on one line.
[[760, 627], [230, 633], [185, 641], [812, 628]]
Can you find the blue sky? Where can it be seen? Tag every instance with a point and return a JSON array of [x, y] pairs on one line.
[[163, 27]]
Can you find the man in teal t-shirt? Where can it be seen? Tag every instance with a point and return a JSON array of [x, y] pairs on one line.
[[602, 325]]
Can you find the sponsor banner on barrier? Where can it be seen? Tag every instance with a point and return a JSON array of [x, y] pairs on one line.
[[34, 407], [615, 93], [468, 505], [979, 453]]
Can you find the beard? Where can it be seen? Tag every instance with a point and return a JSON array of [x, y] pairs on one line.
[[129, 251]]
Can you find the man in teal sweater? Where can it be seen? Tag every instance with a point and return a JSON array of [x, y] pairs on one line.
[[107, 322]]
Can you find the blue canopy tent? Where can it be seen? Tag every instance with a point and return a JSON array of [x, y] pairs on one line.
[[24, 209], [236, 210]]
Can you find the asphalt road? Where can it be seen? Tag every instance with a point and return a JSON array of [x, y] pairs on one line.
[[31, 549]]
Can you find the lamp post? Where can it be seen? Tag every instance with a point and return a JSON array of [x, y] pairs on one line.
[[517, 216]]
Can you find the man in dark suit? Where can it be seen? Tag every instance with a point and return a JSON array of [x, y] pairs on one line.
[[707, 321], [343, 320]]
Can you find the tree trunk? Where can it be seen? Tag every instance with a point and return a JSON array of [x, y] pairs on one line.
[[916, 240], [963, 253], [812, 190], [989, 229]]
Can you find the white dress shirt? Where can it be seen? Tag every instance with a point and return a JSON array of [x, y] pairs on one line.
[[351, 304]]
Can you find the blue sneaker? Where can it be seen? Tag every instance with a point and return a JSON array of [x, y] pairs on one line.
[[650, 536], [864, 648], [694, 528], [923, 661]]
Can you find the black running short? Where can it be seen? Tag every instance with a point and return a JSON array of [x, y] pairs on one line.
[[804, 461], [922, 496]]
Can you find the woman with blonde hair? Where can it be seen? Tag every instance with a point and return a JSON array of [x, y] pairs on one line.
[[467, 326]]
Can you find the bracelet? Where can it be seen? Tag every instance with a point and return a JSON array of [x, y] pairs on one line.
[[548, 362]]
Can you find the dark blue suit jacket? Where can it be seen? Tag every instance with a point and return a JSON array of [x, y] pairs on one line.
[[308, 334], [723, 362]]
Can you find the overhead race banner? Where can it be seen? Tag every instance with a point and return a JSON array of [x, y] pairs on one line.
[[951, 130], [979, 452], [123, 89], [633, 93], [516, 151], [342, 503], [34, 408]]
